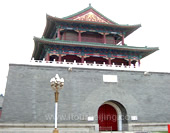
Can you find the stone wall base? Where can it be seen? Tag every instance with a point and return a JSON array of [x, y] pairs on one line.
[[148, 127], [48, 128], [78, 128]]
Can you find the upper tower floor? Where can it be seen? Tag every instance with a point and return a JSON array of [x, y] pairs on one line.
[[88, 25], [88, 36]]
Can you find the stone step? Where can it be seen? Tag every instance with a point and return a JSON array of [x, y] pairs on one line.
[[61, 130], [123, 132], [44, 130]]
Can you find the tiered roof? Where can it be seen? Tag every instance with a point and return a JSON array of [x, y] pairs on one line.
[[88, 20], [89, 17], [41, 41]]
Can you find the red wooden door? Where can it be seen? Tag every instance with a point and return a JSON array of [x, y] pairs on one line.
[[107, 118]]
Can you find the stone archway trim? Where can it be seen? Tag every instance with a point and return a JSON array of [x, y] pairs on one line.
[[119, 113]]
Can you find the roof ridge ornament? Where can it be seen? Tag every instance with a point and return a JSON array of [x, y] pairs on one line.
[[89, 4]]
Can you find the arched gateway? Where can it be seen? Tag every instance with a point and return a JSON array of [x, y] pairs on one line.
[[111, 116], [107, 118]]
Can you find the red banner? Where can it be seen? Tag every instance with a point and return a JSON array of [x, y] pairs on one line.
[[168, 128]]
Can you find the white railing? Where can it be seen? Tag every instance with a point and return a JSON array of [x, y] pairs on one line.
[[83, 65]]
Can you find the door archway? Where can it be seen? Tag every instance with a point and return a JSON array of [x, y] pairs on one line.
[[122, 119], [107, 118]]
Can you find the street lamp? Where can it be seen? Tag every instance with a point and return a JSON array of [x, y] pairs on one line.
[[56, 84]]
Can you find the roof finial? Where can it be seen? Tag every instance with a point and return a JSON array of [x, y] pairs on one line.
[[89, 4]]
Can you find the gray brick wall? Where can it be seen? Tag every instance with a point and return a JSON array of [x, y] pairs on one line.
[[1, 100], [30, 99]]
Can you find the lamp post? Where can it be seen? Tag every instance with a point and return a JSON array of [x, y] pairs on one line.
[[56, 84]]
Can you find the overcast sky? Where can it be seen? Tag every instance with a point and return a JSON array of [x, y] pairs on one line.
[[21, 20]]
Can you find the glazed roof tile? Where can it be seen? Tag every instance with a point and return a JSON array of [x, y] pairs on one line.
[[40, 41], [92, 44], [52, 22]]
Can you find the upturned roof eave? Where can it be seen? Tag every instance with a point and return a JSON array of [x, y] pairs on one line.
[[97, 45], [39, 41], [130, 28]]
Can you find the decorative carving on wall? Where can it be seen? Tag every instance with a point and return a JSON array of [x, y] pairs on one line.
[[90, 16]]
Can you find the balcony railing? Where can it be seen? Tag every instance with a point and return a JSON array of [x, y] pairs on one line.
[[88, 39], [82, 65]]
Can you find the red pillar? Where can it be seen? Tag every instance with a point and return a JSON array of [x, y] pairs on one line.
[[54, 36], [82, 59], [114, 42], [123, 39], [104, 38], [79, 36], [59, 58], [48, 57], [168, 128], [64, 35], [138, 62], [0, 112], [129, 62], [109, 61], [58, 33]]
